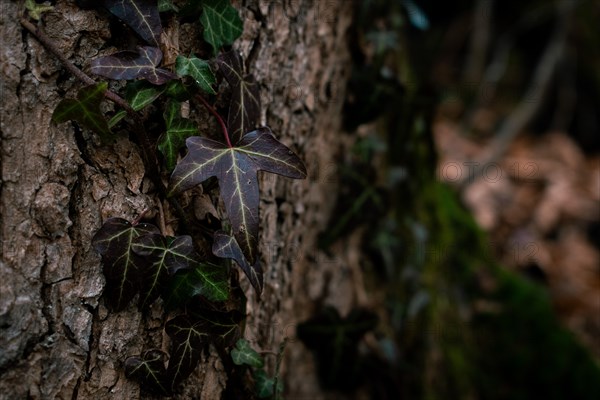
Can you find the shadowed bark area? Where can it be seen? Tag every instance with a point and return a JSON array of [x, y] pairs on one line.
[[57, 338]]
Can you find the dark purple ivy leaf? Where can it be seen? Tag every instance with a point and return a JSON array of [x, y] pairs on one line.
[[244, 109], [226, 246], [188, 337], [149, 370], [164, 256], [236, 169], [189, 334], [133, 64], [141, 15], [122, 266]]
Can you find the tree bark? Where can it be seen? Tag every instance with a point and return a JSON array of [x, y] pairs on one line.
[[57, 338]]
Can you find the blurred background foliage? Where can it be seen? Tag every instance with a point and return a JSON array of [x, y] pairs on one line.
[[452, 321]]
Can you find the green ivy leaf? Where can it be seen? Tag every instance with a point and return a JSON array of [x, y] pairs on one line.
[[264, 384], [222, 24], [178, 130], [199, 70], [36, 10], [85, 109], [122, 266], [139, 94], [167, 5], [204, 279], [163, 256], [179, 91], [243, 354], [116, 118], [150, 371]]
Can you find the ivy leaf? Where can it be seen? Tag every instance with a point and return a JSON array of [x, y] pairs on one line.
[[164, 256], [167, 5], [236, 169], [244, 109], [122, 265], [141, 15], [264, 384], [139, 94], [85, 110], [221, 22], [150, 371], [204, 279], [116, 118], [36, 10], [226, 246], [179, 91], [178, 130], [189, 333], [188, 338], [222, 327], [133, 64], [243, 354], [197, 69]]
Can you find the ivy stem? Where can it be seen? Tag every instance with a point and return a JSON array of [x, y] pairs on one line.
[[140, 217], [79, 74], [216, 114]]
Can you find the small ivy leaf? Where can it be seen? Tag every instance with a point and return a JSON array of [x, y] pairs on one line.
[[141, 15], [226, 246], [133, 64], [85, 110], [164, 256], [115, 119], [167, 5], [36, 10], [221, 22], [264, 384], [244, 109], [139, 94], [114, 241], [179, 91], [178, 130], [243, 354], [236, 169], [204, 279], [149, 370], [197, 69]]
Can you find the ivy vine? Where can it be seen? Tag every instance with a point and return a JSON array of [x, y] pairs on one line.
[[141, 262]]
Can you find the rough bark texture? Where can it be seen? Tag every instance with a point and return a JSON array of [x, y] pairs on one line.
[[57, 339]]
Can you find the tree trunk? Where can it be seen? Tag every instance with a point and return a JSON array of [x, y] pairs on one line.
[[57, 338]]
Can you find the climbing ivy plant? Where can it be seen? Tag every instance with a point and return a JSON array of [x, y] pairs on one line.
[[141, 262]]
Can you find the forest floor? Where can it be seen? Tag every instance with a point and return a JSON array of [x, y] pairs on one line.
[[539, 204]]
